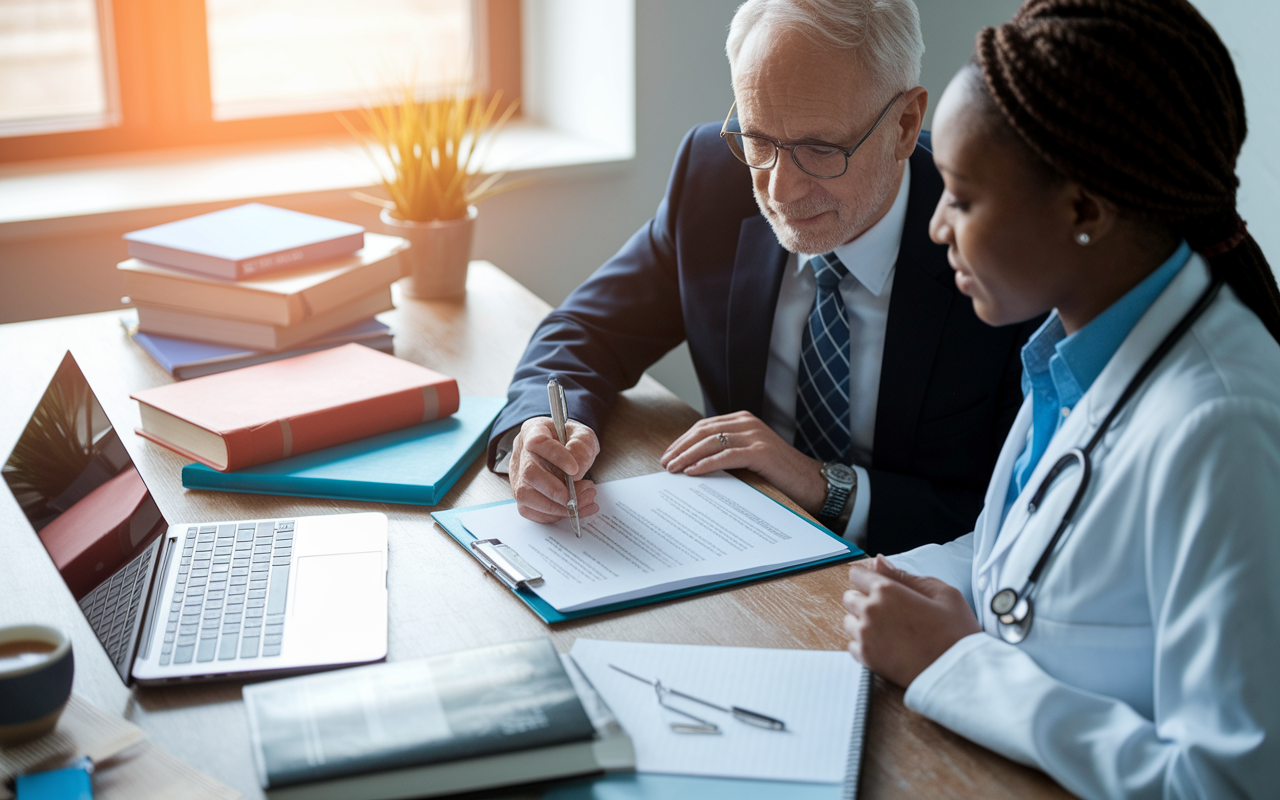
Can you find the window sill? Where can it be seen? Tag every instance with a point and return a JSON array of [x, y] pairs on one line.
[[82, 195]]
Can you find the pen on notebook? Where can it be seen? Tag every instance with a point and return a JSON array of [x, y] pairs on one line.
[[741, 714], [560, 415]]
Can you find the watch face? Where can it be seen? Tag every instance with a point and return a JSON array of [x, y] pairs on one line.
[[840, 474]]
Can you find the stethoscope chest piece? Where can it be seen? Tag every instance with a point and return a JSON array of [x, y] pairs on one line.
[[1013, 614], [1003, 602]]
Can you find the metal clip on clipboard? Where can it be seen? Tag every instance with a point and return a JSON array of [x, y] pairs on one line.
[[506, 564]]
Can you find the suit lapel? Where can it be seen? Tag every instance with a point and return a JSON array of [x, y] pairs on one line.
[[922, 296], [753, 298]]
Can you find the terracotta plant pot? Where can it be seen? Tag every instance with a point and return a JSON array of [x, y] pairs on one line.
[[437, 260]]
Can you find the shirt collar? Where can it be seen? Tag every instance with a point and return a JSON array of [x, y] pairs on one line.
[[1076, 361], [871, 257]]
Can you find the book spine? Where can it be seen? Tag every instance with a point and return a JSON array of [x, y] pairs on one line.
[[249, 447], [298, 256], [182, 259]]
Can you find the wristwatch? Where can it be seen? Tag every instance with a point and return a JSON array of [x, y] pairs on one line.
[[842, 485]]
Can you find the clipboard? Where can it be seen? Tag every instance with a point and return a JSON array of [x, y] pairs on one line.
[[518, 576]]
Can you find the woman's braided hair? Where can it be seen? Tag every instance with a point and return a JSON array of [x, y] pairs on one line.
[[1138, 101]]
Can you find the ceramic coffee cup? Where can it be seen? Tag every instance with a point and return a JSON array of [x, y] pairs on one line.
[[36, 670]]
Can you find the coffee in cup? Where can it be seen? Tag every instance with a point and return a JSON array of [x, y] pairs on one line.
[[36, 672]]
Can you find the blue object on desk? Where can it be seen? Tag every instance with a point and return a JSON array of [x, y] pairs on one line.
[[646, 786], [415, 465], [451, 522], [71, 783], [189, 358]]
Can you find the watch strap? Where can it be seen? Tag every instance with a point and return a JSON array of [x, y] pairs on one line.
[[837, 499], [838, 505]]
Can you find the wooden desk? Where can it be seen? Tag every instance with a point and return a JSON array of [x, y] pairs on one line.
[[440, 598]]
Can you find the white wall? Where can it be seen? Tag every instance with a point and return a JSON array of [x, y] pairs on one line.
[[1249, 27]]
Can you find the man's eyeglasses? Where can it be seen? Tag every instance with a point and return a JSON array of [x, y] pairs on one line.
[[819, 159]]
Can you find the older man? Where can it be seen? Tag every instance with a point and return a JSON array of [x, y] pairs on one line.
[[791, 251]]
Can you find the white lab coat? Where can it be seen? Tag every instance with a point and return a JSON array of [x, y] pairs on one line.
[[1153, 665]]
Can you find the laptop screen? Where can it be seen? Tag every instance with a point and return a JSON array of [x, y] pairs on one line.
[[78, 487]]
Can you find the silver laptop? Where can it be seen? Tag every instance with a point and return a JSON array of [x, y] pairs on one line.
[[215, 599]]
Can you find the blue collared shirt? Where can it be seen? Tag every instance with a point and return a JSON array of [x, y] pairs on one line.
[[1058, 369]]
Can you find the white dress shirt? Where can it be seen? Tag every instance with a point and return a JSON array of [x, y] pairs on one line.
[[870, 259]]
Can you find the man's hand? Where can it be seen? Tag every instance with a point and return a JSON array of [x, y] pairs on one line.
[[741, 441], [901, 623], [537, 463]]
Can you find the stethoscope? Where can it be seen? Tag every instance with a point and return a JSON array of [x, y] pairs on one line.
[[1016, 610]]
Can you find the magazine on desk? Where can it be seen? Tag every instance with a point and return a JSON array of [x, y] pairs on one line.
[[475, 719]]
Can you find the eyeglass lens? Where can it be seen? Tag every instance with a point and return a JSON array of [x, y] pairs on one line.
[[759, 153]]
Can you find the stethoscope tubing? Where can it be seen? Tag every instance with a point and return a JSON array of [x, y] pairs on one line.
[[1009, 617]]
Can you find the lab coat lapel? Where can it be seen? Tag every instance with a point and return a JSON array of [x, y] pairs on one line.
[[1092, 409], [998, 488], [753, 298], [1073, 433]]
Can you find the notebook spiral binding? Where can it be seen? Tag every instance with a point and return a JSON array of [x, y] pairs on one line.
[[856, 738]]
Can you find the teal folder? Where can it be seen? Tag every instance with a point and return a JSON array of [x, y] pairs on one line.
[[416, 465], [451, 522]]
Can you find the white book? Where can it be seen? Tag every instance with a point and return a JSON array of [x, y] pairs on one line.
[[259, 335]]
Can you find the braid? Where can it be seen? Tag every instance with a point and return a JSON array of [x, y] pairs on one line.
[[1138, 101]]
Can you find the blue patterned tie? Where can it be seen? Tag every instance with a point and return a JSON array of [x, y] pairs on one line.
[[822, 395]]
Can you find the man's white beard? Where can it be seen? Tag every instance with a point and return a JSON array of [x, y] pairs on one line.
[[850, 221], [795, 241]]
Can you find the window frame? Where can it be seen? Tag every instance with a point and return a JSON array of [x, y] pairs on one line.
[[156, 70]]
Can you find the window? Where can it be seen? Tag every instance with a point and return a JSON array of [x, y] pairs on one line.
[[80, 77]]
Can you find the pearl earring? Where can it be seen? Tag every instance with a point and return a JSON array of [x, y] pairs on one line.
[[1083, 238]]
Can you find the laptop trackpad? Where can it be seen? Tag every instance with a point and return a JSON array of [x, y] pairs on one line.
[[338, 589]]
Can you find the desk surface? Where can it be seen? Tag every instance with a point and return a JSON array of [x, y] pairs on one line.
[[440, 598]]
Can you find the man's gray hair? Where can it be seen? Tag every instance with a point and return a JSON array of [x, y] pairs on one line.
[[885, 34]]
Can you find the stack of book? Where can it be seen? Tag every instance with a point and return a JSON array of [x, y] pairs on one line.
[[256, 283]]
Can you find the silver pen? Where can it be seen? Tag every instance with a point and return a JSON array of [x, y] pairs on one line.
[[560, 416], [737, 712]]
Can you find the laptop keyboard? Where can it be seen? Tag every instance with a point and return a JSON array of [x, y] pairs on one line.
[[232, 585], [113, 606]]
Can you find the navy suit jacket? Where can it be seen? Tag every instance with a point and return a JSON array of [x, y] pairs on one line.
[[707, 269]]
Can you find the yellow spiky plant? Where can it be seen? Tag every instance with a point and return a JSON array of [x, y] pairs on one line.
[[430, 154]]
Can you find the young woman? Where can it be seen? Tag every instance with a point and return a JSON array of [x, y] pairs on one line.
[[1114, 618]]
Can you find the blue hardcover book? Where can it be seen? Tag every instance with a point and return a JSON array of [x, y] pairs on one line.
[[189, 358], [415, 465]]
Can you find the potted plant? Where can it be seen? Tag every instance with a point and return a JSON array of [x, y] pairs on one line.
[[430, 156]]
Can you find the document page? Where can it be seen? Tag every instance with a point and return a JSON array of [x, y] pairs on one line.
[[815, 692], [654, 534]]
